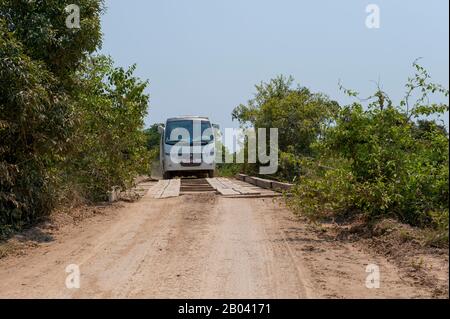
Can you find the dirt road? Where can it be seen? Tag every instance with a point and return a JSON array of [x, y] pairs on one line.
[[198, 246]]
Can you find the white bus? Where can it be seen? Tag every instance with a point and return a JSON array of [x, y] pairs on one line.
[[187, 147]]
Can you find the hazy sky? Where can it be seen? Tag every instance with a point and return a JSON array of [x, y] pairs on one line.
[[203, 57]]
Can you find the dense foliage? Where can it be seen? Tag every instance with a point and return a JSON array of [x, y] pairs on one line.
[[372, 161], [299, 114], [67, 121], [153, 138], [108, 143], [385, 162]]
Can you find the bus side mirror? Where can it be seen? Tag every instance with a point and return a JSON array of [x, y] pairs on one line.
[[161, 129]]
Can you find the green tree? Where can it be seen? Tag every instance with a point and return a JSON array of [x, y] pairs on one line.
[[153, 138], [109, 146], [41, 29], [39, 56], [300, 116]]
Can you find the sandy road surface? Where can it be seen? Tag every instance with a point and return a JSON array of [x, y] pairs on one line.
[[198, 246]]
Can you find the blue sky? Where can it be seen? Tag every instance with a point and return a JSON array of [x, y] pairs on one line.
[[203, 57]]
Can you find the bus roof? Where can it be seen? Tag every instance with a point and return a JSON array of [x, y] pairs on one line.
[[188, 117]]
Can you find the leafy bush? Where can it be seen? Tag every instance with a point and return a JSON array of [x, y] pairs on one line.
[[109, 142], [290, 166], [324, 193], [393, 166]]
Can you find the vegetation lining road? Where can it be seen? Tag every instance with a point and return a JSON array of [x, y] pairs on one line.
[[71, 124], [382, 160]]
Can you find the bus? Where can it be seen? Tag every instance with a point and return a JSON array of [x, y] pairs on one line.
[[187, 147]]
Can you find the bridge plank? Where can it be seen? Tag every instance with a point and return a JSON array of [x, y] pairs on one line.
[[238, 188], [227, 187], [172, 189], [158, 189], [165, 188], [221, 187]]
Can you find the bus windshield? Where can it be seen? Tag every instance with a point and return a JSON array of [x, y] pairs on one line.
[[204, 127]]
